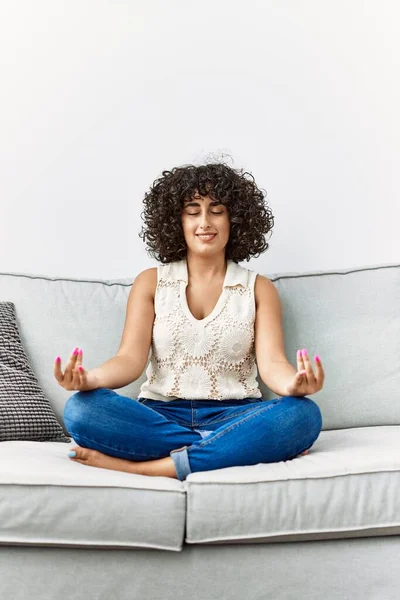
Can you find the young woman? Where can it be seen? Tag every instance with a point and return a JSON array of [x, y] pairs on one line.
[[208, 322]]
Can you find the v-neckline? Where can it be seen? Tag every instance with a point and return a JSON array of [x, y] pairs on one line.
[[217, 308]]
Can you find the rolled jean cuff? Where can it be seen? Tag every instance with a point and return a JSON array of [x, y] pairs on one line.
[[181, 461]]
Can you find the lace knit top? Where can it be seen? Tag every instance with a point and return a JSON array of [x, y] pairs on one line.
[[208, 359]]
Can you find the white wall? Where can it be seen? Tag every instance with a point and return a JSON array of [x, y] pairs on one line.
[[98, 97]]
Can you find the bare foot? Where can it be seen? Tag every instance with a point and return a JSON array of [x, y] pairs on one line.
[[94, 458], [305, 452]]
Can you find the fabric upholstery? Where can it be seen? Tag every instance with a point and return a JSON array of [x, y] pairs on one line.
[[48, 499], [348, 569], [350, 317], [264, 531], [25, 411], [347, 486]]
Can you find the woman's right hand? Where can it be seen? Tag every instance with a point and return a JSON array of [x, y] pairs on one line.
[[73, 377]]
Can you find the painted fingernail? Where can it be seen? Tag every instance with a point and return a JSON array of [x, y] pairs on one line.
[[317, 357], [305, 353], [72, 453], [298, 353]]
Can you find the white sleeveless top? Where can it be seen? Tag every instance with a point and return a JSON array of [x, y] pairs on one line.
[[208, 359]]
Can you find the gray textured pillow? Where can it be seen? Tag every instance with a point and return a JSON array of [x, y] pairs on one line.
[[25, 412]]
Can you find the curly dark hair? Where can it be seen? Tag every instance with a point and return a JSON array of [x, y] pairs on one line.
[[249, 215]]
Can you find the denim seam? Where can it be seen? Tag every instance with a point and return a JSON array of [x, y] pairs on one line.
[[187, 424], [253, 415], [243, 412], [215, 437]]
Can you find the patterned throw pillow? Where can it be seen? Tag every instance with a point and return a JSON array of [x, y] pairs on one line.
[[25, 412]]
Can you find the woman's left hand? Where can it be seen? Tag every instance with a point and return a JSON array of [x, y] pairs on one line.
[[305, 382]]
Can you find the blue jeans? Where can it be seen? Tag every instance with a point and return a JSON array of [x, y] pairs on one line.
[[199, 435]]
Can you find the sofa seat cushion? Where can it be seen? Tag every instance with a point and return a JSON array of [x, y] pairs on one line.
[[347, 486], [48, 499]]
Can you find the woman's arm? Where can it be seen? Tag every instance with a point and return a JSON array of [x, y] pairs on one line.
[[273, 366], [130, 360]]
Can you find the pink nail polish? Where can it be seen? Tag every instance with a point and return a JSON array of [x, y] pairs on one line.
[[317, 358]]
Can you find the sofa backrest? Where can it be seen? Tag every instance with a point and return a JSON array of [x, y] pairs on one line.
[[349, 317]]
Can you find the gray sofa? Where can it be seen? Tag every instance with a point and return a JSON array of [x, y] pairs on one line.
[[325, 525]]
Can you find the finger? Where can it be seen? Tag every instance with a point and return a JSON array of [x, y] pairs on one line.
[[300, 363], [79, 357], [301, 371], [82, 375], [71, 364], [320, 373], [77, 379], [74, 369], [308, 366], [300, 380], [73, 356], [79, 368], [74, 379], [78, 363], [57, 370]]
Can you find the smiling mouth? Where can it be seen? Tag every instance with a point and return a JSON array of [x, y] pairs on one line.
[[207, 237]]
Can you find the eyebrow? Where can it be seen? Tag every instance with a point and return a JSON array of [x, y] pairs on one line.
[[213, 203]]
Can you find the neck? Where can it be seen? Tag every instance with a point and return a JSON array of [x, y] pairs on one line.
[[206, 269]]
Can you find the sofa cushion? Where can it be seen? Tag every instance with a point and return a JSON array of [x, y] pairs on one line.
[[25, 412], [47, 499], [57, 314], [351, 319], [347, 486]]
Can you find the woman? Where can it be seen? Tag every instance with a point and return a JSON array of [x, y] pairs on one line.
[[208, 320]]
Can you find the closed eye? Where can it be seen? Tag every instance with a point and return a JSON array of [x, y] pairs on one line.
[[213, 213]]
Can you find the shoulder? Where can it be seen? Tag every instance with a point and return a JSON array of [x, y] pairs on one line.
[[147, 280], [264, 289], [147, 275]]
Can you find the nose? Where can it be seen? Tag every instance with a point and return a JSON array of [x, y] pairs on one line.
[[204, 221]]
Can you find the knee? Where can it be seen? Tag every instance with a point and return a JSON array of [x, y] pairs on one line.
[[73, 410], [311, 416], [78, 406], [315, 418]]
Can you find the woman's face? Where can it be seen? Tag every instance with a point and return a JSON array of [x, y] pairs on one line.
[[204, 215]]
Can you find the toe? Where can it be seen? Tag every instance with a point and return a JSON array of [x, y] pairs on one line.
[[80, 453], [303, 453]]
